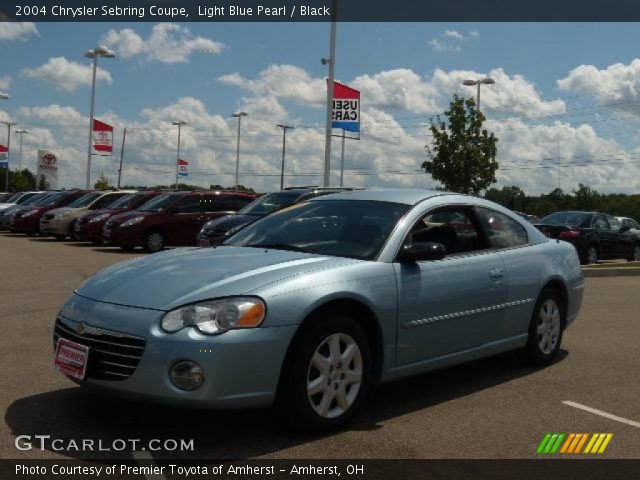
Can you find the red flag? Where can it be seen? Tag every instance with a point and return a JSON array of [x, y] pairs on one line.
[[102, 138]]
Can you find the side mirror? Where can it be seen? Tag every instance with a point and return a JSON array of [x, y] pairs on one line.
[[416, 252]]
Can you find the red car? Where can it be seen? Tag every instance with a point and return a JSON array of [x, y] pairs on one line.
[[28, 220], [88, 228], [171, 219]]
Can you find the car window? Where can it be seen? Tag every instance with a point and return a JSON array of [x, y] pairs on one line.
[[633, 224], [189, 204], [136, 201], [454, 228], [159, 203], [107, 200], [599, 223], [241, 202], [84, 200], [218, 203], [566, 218], [614, 224], [270, 203], [503, 231]]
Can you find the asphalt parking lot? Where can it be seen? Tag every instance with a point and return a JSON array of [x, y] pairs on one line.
[[493, 408]]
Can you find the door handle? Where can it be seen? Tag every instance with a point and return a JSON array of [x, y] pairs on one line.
[[496, 273]]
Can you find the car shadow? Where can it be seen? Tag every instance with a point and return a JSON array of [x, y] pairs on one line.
[[75, 413]]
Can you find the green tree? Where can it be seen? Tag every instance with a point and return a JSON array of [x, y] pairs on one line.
[[462, 155], [586, 198], [512, 197], [42, 183], [102, 183]]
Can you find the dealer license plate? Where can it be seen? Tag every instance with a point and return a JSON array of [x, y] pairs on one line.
[[71, 358]]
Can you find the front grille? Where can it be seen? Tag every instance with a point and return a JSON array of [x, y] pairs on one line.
[[48, 216], [112, 355]]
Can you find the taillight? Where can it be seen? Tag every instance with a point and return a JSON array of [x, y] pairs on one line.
[[569, 234]]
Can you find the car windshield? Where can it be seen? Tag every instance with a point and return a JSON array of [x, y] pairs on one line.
[[38, 197], [158, 203], [53, 199], [84, 200], [269, 203], [342, 228], [13, 198], [122, 202], [565, 218]]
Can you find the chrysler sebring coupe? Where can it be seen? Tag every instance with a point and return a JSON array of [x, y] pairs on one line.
[[310, 306]]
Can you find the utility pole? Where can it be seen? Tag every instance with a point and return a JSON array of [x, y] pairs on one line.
[[558, 163], [6, 178], [239, 116], [284, 151], [332, 72], [179, 124], [124, 136]]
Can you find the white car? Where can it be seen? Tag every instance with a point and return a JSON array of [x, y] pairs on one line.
[[629, 222], [17, 199]]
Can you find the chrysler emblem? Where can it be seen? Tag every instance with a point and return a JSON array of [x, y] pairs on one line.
[[80, 329]]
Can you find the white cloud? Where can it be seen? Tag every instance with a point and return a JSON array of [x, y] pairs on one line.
[[451, 40], [617, 84], [454, 34], [167, 43], [12, 31], [66, 75], [442, 46], [5, 82]]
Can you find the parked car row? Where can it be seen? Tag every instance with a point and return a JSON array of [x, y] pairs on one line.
[[147, 219], [595, 235]]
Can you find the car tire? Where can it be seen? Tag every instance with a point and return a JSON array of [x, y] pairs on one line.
[[72, 232], [545, 330], [153, 241], [321, 389], [635, 254], [591, 255]]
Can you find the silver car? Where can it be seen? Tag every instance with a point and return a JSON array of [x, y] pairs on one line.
[[310, 306]]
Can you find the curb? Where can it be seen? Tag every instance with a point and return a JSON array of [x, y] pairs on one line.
[[611, 272]]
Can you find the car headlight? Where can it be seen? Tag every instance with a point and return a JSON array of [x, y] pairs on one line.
[[133, 221], [99, 218], [213, 317], [65, 214]]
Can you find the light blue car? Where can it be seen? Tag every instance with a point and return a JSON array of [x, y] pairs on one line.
[[311, 305]]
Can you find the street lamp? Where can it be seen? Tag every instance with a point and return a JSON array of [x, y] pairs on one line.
[[5, 96], [179, 124], [239, 116], [485, 81], [21, 131], [284, 150], [100, 51]]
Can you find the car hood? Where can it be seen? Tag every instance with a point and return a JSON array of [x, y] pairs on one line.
[[166, 280], [73, 212], [230, 221], [123, 217]]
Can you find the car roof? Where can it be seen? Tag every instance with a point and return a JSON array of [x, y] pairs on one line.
[[406, 196]]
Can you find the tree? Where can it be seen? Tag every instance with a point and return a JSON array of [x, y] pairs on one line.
[[42, 183], [462, 155], [586, 198], [511, 196], [102, 183]]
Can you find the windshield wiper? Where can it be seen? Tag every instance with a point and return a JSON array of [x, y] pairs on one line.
[[283, 246]]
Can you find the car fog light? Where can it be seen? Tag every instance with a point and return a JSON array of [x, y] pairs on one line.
[[186, 375]]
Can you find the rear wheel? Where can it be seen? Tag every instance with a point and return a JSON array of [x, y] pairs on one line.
[[592, 255], [153, 241], [635, 255], [327, 374], [545, 329]]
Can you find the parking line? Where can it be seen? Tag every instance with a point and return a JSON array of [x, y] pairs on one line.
[[602, 414], [144, 458]]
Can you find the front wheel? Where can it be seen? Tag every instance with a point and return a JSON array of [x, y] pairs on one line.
[[545, 329], [635, 255], [153, 241], [592, 255], [327, 374]]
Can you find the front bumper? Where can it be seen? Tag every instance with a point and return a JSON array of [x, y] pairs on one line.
[[89, 231], [55, 226], [122, 236], [241, 367], [25, 224]]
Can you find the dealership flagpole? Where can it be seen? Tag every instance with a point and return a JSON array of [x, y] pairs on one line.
[[6, 178], [332, 69], [124, 136], [342, 160]]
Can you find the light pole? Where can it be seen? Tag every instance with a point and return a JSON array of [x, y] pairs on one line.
[[22, 131], [6, 178], [284, 150], [481, 81], [179, 124], [100, 51], [239, 116], [5, 96], [331, 61]]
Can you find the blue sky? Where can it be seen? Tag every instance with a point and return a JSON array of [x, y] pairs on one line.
[[533, 57]]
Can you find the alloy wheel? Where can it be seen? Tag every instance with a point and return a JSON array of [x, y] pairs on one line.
[[155, 241], [636, 253], [548, 328], [592, 255], [334, 376]]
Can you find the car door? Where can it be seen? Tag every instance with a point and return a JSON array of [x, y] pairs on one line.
[[622, 241], [454, 304], [522, 270], [180, 223], [605, 244]]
